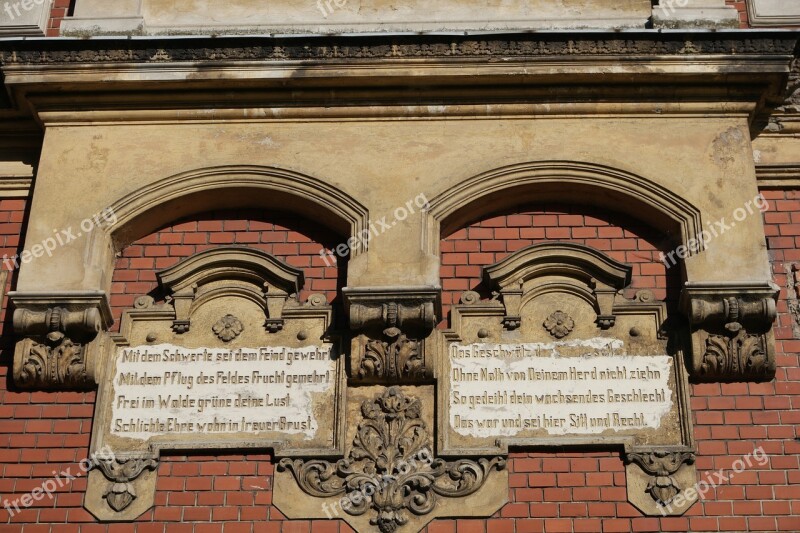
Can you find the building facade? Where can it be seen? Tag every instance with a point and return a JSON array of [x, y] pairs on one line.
[[362, 265]]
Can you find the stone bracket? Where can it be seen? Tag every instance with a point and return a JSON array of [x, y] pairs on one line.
[[661, 480], [389, 325], [61, 340], [121, 486], [731, 330]]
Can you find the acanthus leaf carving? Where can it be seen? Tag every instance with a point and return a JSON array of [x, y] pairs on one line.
[[390, 326], [394, 358], [59, 362], [391, 467], [58, 350], [732, 337]]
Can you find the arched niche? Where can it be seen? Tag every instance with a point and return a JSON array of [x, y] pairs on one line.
[[219, 188], [570, 182]]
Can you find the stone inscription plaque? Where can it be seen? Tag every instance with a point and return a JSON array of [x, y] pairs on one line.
[[167, 389], [551, 389]]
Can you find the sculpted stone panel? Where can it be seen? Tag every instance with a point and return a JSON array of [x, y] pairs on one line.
[[209, 369], [560, 356]]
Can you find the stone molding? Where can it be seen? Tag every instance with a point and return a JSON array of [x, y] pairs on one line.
[[29, 19], [62, 337], [766, 13], [786, 116], [390, 325], [698, 14], [731, 328], [393, 47]]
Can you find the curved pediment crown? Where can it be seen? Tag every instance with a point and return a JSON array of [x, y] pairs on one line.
[[597, 278], [562, 258], [246, 272]]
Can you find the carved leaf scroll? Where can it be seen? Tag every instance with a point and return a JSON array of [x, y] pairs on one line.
[[390, 469]]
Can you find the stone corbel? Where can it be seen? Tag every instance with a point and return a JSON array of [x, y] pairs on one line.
[[512, 301], [121, 487], [182, 301], [661, 481], [605, 296], [61, 344], [390, 325], [731, 328]]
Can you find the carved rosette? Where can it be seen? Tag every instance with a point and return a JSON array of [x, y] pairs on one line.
[[559, 324], [227, 328], [732, 337], [390, 470], [389, 327], [661, 465], [59, 347], [122, 472]]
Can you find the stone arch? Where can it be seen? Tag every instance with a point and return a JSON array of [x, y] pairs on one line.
[[548, 181], [225, 187], [148, 208]]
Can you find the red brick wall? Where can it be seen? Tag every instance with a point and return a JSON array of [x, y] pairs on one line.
[[493, 238], [571, 492], [300, 246], [741, 7], [57, 13]]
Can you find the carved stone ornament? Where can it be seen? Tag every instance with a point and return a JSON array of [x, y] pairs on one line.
[[597, 277], [394, 359], [559, 324], [390, 471], [732, 337], [195, 279], [390, 324], [122, 472], [60, 344], [58, 362], [227, 328], [661, 465]]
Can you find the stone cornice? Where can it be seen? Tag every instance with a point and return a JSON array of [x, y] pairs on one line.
[[684, 72], [343, 48]]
